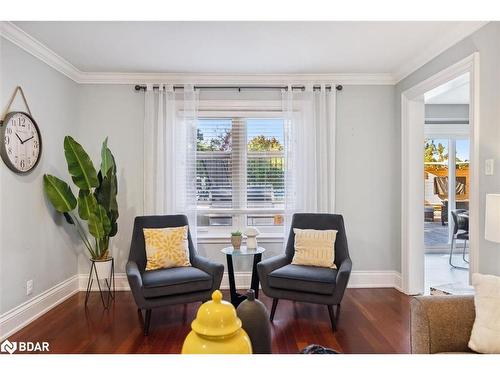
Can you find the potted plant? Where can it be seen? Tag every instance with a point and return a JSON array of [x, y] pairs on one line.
[[236, 239], [96, 203]]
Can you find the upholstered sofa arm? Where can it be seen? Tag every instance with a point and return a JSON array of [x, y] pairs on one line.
[[343, 274], [133, 275], [135, 281], [216, 270], [265, 267], [441, 323]]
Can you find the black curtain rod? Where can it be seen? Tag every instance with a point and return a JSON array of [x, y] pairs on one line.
[[239, 88]]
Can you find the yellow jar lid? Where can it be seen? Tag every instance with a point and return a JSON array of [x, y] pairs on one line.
[[216, 317]]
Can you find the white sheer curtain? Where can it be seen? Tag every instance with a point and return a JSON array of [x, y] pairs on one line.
[[170, 122], [309, 150]]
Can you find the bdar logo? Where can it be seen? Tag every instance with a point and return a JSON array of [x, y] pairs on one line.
[[24, 346], [8, 347]]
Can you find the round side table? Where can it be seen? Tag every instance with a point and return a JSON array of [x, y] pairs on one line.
[[237, 298]]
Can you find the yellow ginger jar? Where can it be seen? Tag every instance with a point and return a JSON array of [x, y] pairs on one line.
[[217, 330]]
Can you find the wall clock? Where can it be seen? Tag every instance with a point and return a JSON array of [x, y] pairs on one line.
[[21, 145], [20, 138]]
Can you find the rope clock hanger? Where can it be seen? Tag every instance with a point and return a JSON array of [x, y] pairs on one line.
[[21, 140]]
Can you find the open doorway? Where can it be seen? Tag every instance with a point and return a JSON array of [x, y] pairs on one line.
[[414, 132], [447, 187]]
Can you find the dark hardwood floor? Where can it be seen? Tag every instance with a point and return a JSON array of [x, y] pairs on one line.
[[371, 321]]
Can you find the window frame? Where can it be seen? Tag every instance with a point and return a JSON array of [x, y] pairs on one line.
[[251, 110]]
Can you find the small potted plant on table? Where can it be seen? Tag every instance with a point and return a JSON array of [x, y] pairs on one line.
[[96, 205], [236, 239]]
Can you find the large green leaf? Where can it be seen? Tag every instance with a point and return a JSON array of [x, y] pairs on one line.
[[114, 229], [86, 204], [103, 217], [99, 224], [106, 193], [107, 160], [80, 166], [95, 226], [59, 193]]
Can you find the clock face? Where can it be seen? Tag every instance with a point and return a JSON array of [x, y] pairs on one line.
[[21, 146]]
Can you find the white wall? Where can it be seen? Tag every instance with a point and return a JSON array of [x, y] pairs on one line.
[[36, 243], [486, 41], [367, 176]]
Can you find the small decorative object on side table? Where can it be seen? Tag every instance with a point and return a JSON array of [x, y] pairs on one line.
[[236, 239], [252, 233], [237, 298]]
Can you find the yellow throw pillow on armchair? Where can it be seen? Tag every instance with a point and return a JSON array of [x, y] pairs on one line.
[[166, 247], [314, 247]]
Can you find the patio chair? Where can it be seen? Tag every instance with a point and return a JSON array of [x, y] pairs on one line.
[[460, 232]]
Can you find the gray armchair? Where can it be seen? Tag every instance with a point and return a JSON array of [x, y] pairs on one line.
[[170, 286], [282, 280]]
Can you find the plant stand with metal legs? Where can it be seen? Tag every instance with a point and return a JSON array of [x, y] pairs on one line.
[[107, 289]]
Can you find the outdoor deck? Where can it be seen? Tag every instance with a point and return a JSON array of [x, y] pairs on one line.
[[436, 236]]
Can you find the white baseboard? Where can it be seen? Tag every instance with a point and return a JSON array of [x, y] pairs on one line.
[[375, 279], [121, 282], [17, 318], [20, 316]]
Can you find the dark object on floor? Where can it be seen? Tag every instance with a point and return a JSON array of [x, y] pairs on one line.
[[317, 349], [282, 280], [441, 324], [255, 319], [460, 232], [152, 289]]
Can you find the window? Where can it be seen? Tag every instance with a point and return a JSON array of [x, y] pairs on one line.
[[240, 174]]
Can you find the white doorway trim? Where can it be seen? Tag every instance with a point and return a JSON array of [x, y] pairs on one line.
[[412, 197]]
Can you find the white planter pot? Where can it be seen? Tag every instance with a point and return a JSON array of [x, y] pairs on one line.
[[103, 268]]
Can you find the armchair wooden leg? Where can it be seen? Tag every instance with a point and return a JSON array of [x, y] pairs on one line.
[[273, 308], [332, 317], [147, 321]]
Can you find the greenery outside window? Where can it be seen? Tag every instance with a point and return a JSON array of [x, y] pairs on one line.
[[240, 174]]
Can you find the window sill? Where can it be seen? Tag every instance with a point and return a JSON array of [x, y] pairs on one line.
[[204, 238]]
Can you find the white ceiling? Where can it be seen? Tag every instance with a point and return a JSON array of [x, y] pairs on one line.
[[396, 48], [455, 91]]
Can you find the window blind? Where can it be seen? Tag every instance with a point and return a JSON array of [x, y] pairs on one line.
[[240, 170]]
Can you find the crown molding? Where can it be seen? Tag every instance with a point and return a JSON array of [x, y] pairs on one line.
[[237, 79], [439, 46], [29, 44]]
